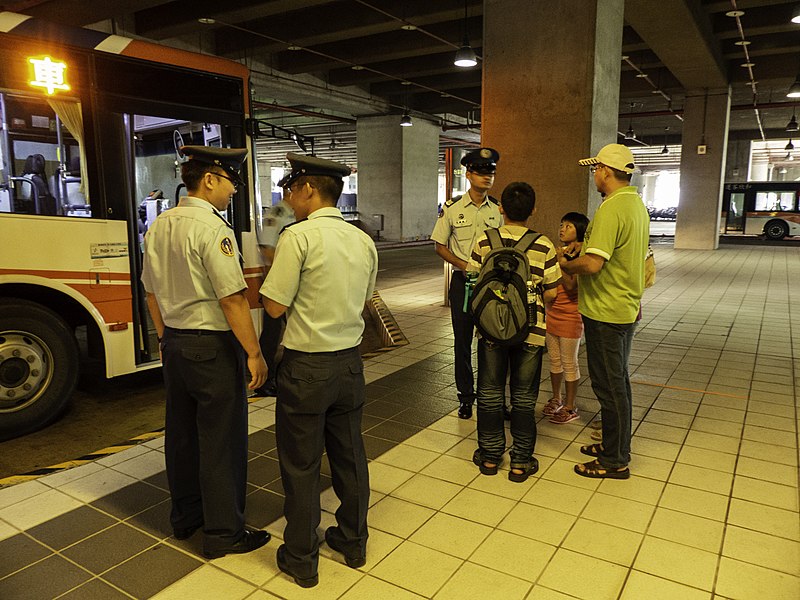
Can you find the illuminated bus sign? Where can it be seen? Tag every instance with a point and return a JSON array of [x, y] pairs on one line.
[[48, 74]]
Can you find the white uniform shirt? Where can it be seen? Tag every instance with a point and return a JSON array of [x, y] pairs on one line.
[[461, 223], [324, 271], [191, 260], [278, 217]]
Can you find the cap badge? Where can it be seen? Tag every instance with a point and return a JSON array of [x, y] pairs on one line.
[[226, 246], [486, 153]]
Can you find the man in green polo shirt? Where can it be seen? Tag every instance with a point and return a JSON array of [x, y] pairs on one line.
[[610, 273]]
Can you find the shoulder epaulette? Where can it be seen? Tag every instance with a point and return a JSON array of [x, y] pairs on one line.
[[493, 200], [285, 227], [452, 201]]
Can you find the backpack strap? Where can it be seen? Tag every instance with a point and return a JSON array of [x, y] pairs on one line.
[[527, 240], [493, 235]]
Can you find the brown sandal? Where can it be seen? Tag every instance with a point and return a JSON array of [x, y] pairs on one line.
[[592, 449], [595, 470]]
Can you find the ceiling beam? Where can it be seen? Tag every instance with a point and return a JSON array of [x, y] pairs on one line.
[[680, 34]]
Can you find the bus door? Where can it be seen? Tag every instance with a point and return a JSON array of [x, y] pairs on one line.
[[150, 178], [734, 222]]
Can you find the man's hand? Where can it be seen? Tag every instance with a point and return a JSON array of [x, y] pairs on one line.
[[258, 371]]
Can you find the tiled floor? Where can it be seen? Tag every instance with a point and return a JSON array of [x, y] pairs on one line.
[[711, 510]]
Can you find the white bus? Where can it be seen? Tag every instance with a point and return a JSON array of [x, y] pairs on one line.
[[91, 123], [768, 208]]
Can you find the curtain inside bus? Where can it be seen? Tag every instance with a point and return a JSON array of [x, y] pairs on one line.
[[72, 118]]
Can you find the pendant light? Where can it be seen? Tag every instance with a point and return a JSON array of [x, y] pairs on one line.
[[792, 124], [465, 55], [405, 120], [665, 150]]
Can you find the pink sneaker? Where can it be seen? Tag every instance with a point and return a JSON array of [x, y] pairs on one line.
[[551, 407], [564, 415]]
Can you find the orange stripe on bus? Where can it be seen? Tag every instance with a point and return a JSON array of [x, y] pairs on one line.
[[182, 58], [50, 274]]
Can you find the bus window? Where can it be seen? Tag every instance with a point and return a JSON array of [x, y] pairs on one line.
[[42, 163], [774, 201]]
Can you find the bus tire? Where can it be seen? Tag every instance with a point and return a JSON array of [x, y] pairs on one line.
[[39, 363], [776, 230]]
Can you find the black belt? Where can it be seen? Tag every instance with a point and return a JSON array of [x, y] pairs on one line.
[[334, 353], [197, 331]]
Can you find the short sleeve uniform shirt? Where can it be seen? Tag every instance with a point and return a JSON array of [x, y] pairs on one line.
[[324, 271], [461, 223], [191, 260]]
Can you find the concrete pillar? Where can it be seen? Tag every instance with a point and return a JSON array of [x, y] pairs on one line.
[[551, 73], [705, 122], [737, 162], [398, 170]]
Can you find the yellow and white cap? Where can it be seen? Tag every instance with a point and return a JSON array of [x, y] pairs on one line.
[[616, 156]]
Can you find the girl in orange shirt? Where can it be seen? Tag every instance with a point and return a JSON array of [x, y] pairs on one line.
[[564, 330]]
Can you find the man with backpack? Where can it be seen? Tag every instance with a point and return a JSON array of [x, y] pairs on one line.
[[517, 273], [460, 223]]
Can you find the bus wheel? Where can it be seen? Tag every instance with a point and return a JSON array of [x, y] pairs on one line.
[[776, 230], [38, 366]]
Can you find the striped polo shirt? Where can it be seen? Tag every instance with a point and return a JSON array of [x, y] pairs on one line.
[[544, 269]]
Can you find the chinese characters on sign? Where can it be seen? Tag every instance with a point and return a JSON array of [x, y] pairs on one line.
[[48, 74]]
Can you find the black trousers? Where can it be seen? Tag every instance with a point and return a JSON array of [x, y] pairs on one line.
[[269, 340], [206, 431], [463, 332], [319, 407]]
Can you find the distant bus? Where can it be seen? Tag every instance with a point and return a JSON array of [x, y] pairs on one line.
[[761, 208]]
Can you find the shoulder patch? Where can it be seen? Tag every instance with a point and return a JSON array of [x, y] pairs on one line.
[[226, 246]]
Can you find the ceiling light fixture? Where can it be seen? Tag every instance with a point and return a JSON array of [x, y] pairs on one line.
[[465, 55], [789, 146], [294, 48], [792, 124], [405, 120], [408, 27], [630, 134], [206, 20], [665, 150], [794, 90], [796, 15]]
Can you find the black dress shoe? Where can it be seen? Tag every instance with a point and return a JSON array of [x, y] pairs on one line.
[[184, 533], [354, 562], [251, 540], [303, 582]]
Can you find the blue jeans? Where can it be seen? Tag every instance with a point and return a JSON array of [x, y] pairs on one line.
[[608, 348], [525, 362]]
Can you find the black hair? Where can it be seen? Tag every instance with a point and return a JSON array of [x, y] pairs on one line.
[[192, 172], [329, 188], [580, 221], [518, 200]]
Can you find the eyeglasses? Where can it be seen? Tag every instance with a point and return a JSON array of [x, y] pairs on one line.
[[594, 168], [287, 189], [234, 183]]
